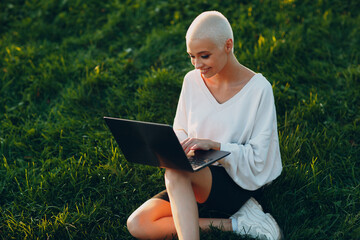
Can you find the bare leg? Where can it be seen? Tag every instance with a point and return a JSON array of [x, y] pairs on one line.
[[183, 204], [157, 218], [223, 224], [153, 220], [185, 189]]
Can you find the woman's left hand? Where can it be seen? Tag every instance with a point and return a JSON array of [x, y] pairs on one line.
[[192, 144]]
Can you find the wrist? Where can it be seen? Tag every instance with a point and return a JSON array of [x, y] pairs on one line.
[[216, 146]]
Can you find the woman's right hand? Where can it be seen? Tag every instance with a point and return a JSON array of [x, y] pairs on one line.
[[192, 144]]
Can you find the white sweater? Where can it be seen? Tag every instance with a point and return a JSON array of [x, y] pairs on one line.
[[245, 125]]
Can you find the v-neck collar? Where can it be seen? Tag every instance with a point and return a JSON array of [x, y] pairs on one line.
[[230, 101]]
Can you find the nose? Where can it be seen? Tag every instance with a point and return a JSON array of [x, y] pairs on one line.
[[197, 63]]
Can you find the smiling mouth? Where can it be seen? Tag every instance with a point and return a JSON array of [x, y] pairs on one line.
[[204, 71]]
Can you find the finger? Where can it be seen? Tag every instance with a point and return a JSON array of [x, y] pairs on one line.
[[187, 149], [190, 147], [195, 147], [200, 145], [186, 144], [190, 154], [185, 141]]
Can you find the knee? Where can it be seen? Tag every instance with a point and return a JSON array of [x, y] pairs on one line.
[[134, 223], [174, 177]]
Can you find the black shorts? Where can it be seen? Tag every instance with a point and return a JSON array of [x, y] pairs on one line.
[[226, 197]]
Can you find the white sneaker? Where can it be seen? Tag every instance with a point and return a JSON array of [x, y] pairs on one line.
[[252, 221]]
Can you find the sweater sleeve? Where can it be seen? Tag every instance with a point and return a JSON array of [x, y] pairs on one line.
[[180, 121], [250, 164]]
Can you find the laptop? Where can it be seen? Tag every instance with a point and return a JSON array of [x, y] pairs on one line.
[[156, 145]]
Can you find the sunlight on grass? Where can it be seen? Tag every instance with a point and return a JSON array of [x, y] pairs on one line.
[[67, 64]]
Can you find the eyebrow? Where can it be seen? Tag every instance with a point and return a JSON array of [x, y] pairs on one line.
[[200, 52]]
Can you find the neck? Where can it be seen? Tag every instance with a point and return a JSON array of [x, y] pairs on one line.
[[231, 73]]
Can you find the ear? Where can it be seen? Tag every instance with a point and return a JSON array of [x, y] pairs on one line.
[[229, 45]]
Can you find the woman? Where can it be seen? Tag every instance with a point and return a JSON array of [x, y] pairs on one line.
[[224, 106]]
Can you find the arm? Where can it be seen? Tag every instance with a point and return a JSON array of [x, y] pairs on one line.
[[180, 120], [253, 163]]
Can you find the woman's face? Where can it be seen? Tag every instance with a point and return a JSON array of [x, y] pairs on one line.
[[207, 56]]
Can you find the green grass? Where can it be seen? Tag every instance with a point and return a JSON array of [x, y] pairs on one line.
[[66, 64]]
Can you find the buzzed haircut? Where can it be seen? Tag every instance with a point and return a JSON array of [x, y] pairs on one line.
[[212, 25]]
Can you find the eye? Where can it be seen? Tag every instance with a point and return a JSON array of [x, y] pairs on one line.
[[191, 56], [205, 56]]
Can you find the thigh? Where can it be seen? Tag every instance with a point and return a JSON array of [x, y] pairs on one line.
[[152, 220], [226, 197], [216, 193], [151, 210], [201, 181], [202, 184]]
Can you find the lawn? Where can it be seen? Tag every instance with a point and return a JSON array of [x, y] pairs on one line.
[[66, 64]]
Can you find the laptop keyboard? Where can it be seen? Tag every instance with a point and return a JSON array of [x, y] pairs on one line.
[[195, 162]]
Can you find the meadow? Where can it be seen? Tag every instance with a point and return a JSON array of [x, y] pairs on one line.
[[66, 64]]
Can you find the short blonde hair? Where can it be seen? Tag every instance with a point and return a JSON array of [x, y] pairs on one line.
[[212, 25]]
